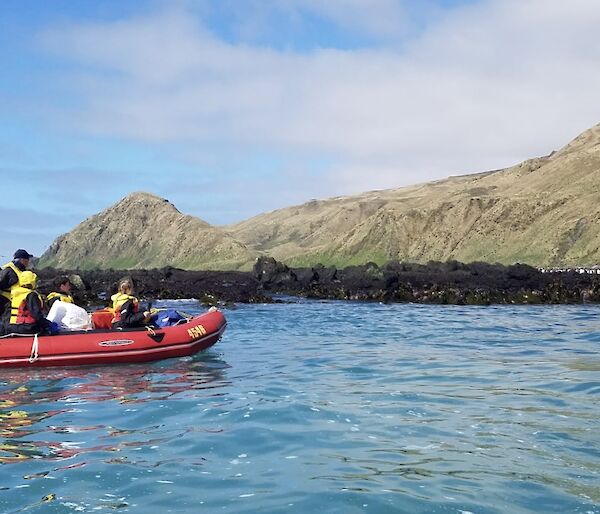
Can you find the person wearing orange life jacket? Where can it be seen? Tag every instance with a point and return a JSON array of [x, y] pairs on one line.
[[61, 292], [126, 307], [10, 275], [26, 313]]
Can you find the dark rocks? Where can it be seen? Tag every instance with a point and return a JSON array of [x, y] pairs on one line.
[[323, 274], [209, 287], [435, 282], [269, 271]]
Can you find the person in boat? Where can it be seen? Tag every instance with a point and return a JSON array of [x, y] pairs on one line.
[[26, 313], [10, 275], [62, 291], [127, 307]]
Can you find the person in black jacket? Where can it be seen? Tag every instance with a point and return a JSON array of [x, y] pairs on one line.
[[126, 307], [62, 291], [9, 278], [26, 314]]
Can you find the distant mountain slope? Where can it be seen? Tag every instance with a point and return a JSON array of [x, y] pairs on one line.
[[545, 211], [145, 231]]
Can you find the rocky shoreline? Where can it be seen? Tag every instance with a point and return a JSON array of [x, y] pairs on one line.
[[437, 283]]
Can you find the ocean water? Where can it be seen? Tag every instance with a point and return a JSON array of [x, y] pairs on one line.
[[325, 407]]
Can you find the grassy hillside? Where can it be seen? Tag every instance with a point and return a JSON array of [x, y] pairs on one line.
[[544, 211], [145, 231]]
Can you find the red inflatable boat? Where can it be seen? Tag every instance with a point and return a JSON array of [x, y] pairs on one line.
[[113, 346]]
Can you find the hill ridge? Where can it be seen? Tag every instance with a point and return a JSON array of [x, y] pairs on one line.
[[143, 230], [523, 213], [543, 211]]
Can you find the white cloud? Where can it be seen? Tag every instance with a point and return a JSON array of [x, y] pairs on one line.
[[487, 86]]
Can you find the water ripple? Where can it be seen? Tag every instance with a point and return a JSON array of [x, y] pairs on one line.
[[322, 406]]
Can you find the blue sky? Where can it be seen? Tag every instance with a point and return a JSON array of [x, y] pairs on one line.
[[230, 108]]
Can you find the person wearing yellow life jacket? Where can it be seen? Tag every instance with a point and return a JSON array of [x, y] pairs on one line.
[[26, 313], [10, 275], [127, 307], [62, 291]]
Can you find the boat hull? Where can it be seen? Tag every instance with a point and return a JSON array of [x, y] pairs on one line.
[[113, 346]]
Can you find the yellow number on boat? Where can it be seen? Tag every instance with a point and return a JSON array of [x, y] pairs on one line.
[[196, 332]]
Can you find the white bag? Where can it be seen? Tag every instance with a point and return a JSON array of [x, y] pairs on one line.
[[69, 316]]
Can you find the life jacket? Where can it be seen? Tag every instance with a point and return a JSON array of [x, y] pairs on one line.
[[7, 293], [63, 297], [118, 300], [19, 312]]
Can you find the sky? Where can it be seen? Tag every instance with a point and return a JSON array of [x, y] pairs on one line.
[[231, 108]]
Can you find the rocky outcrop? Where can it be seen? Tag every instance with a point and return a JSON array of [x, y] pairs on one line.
[[94, 287], [435, 282], [440, 283]]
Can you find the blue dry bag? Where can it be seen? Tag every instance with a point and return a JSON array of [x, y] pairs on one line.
[[167, 317]]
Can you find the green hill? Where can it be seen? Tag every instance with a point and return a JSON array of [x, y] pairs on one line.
[[145, 231], [543, 212]]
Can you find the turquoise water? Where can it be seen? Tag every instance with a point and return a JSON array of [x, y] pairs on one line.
[[322, 407]]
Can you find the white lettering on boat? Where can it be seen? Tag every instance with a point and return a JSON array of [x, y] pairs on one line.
[[196, 332], [116, 342]]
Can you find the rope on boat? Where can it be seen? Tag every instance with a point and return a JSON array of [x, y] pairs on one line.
[[150, 329], [34, 350], [12, 334]]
